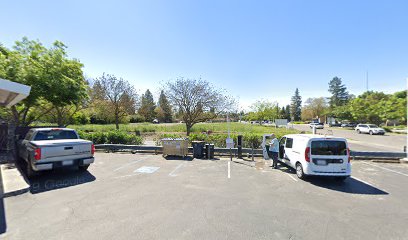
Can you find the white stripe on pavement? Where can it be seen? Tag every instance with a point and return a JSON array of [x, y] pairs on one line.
[[292, 177], [127, 164], [404, 174], [172, 172], [360, 180], [229, 169]]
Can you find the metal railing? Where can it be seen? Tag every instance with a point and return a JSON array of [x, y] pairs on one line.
[[246, 151]]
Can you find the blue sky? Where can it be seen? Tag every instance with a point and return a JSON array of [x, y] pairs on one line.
[[254, 49]]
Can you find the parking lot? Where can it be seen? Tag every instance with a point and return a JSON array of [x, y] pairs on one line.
[[390, 142], [136, 196]]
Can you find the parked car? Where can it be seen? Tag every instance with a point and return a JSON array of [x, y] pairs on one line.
[[370, 129], [155, 121], [50, 148], [334, 124], [317, 125], [316, 155], [349, 125]]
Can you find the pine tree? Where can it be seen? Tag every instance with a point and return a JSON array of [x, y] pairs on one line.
[[147, 107], [340, 96], [166, 114], [296, 106], [287, 110]]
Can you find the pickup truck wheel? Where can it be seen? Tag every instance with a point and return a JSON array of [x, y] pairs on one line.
[[299, 171], [30, 171], [371, 132], [358, 131], [83, 168]]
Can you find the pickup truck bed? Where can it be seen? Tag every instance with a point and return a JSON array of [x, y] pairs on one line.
[[41, 152]]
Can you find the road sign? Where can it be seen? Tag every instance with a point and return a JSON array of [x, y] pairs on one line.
[[229, 142]]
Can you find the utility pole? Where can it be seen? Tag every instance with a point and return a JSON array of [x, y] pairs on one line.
[[367, 80]]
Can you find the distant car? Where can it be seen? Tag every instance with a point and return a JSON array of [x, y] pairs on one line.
[[334, 124], [316, 125], [370, 129], [156, 121], [349, 125]]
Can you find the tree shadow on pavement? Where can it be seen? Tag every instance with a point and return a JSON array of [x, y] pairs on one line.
[[350, 185]]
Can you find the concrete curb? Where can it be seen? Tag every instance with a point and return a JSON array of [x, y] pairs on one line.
[[386, 160], [13, 181], [404, 160]]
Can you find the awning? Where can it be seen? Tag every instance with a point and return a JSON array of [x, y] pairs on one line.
[[12, 93]]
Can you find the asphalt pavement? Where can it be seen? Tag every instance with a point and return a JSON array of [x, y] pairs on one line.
[[135, 196], [391, 142]]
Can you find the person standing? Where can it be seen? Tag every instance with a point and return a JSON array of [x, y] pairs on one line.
[[274, 149]]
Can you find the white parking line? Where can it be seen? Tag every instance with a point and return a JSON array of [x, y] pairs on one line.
[[404, 174], [127, 164], [360, 180], [172, 172], [292, 177], [229, 169], [125, 176]]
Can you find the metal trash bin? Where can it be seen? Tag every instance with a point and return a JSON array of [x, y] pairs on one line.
[[175, 147], [198, 149], [209, 151]]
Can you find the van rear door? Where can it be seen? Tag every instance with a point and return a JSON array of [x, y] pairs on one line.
[[329, 156]]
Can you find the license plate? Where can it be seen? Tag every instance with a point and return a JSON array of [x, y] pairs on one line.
[[68, 162], [321, 162]]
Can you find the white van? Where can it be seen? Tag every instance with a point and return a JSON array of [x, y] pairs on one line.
[[317, 155]]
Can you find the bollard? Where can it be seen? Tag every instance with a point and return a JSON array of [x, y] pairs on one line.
[[239, 146], [405, 148]]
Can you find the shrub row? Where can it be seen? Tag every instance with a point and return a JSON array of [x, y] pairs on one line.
[[115, 137], [249, 139]]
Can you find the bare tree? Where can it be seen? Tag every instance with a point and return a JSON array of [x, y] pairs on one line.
[[118, 93], [197, 100]]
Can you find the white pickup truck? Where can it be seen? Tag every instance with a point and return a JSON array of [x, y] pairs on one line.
[[50, 148]]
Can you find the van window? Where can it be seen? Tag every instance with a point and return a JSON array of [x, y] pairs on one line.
[[329, 148], [282, 141], [289, 143]]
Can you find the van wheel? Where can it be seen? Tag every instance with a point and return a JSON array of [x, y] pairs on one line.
[[371, 132], [358, 131], [299, 171]]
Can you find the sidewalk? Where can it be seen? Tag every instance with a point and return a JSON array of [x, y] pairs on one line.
[[13, 181]]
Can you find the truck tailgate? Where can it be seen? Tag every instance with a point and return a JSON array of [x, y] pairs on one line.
[[60, 150]]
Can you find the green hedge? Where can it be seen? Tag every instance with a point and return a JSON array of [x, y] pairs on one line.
[[115, 137], [218, 140]]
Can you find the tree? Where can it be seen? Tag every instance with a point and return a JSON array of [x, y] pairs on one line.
[[314, 107], [163, 111], [340, 96], [296, 106], [194, 99], [287, 110], [118, 95], [264, 110], [378, 107], [56, 81], [147, 106]]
